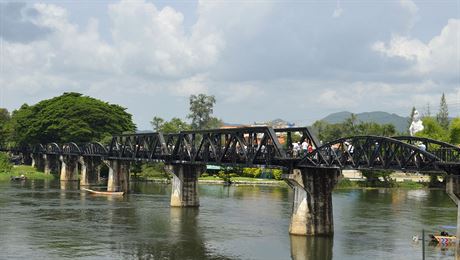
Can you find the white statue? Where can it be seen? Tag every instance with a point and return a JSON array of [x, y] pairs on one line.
[[416, 125]]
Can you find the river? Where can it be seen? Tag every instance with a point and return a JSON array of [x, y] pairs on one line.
[[42, 220]]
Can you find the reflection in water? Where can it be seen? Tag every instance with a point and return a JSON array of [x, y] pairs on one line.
[[69, 185], [236, 222], [311, 248]]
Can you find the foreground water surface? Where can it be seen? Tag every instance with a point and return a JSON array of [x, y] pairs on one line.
[[42, 220]]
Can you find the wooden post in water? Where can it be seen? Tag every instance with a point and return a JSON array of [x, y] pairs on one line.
[[423, 244]]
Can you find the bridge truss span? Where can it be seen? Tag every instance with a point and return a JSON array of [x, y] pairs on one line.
[[371, 152], [241, 146], [254, 146], [447, 153]]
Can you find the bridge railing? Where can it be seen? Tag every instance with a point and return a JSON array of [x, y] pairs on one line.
[[252, 146], [447, 155]]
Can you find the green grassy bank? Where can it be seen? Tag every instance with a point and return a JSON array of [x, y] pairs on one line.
[[28, 171]]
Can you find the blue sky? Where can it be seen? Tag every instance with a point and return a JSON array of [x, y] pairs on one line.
[[296, 60]]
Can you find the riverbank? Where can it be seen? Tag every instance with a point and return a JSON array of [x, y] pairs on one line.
[[29, 172], [344, 183], [349, 182], [217, 180]]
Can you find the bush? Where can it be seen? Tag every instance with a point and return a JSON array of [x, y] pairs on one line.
[[155, 170], [224, 176], [252, 172], [378, 178], [5, 165], [204, 175], [277, 174]]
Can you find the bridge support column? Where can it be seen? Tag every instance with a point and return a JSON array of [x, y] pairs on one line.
[[453, 190], [38, 162], [51, 163], [26, 158], [118, 175], [312, 206], [185, 184], [69, 168], [89, 173]]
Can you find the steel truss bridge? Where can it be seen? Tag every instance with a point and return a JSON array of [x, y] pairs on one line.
[[256, 146]]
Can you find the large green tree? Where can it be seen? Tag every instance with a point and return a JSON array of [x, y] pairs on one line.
[[201, 109], [432, 129], [156, 123], [70, 117], [175, 125], [454, 131], [443, 115], [4, 119]]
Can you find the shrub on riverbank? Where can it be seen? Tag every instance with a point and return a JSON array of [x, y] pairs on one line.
[[151, 171], [5, 165], [28, 171], [349, 184]]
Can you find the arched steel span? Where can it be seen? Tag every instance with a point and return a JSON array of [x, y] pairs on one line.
[[71, 149], [243, 146], [251, 146], [38, 149], [371, 152], [53, 148], [94, 149], [444, 151]]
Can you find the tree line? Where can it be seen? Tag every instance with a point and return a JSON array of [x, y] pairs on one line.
[[438, 127], [200, 114], [70, 117]]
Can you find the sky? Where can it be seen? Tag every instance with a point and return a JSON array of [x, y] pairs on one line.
[[262, 60]]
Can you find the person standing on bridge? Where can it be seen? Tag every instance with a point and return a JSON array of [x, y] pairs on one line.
[[310, 148], [304, 147]]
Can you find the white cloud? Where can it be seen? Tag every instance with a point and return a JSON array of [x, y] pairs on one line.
[[337, 12], [193, 85], [241, 92], [149, 46], [154, 42], [410, 6], [439, 57], [260, 59]]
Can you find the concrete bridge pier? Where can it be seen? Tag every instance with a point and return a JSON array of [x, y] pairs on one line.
[[312, 206], [69, 167], [311, 248], [118, 175], [453, 189], [26, 158], [89, 172], [185, 184], [38, 161], [51, 163]]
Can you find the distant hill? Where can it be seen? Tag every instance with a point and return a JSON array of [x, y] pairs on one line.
[[378, 117]]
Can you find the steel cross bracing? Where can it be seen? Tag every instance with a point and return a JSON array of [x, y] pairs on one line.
[[370, 152], [252, 146], [241, 146]]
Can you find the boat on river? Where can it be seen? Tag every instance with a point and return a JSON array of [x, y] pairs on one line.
[[443, 239], [18, 178], [105, 193]]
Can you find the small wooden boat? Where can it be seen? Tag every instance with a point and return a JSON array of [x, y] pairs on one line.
[[18, 178], [444, 240], [105, 193]]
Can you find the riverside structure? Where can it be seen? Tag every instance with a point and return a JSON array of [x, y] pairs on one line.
[[311, 175]]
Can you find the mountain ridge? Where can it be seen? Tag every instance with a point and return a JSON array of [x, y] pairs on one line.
[[380, 117]]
